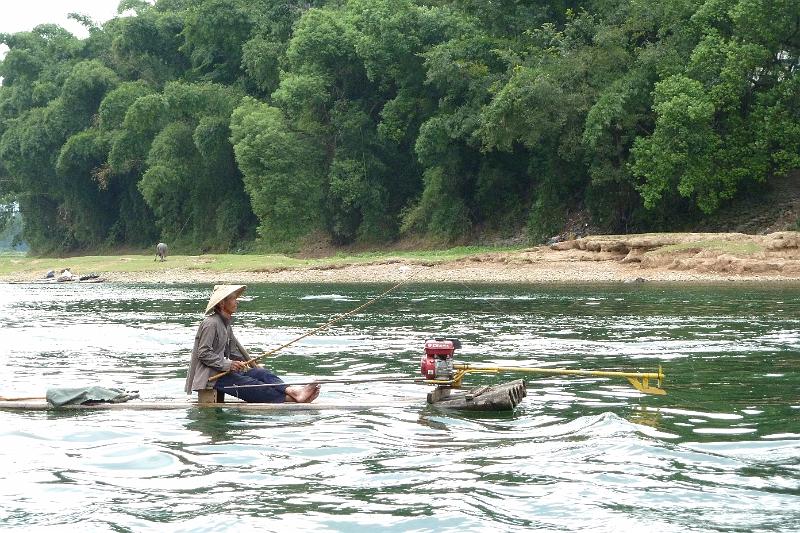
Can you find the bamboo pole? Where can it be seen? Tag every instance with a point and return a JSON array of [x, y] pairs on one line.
[[639, 380], [559, 371], [21, 398]]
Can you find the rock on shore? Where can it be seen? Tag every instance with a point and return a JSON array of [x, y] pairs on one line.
[[776, 254]]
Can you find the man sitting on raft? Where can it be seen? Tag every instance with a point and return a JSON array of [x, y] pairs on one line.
[[216, 350]]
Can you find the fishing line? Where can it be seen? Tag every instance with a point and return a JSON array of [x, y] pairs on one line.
[[252, 360], [471, 289], [501, 311]]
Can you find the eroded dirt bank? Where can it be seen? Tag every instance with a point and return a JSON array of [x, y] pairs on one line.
[[682, 257], [678, 257]]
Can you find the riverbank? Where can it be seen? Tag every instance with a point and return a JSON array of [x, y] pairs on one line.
[[672, 257]]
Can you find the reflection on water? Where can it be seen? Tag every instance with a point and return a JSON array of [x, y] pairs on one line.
[[720, 452], [217, 425]]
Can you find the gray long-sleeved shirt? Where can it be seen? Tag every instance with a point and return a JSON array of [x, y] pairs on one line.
[[214, 349]]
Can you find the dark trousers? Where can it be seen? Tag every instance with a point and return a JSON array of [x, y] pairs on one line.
[[254, 376]]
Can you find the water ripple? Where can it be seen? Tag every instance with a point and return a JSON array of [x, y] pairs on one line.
[[718, 453]]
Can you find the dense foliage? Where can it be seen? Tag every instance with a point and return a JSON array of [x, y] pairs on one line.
[[213, 124]]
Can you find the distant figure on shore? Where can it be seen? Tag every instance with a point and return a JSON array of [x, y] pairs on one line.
[[161, 252], [65, 275]]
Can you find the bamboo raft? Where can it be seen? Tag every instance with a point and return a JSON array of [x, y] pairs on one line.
[[503, 397], [42, 405]]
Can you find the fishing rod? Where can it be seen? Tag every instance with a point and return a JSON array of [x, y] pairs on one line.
[[251, 361]]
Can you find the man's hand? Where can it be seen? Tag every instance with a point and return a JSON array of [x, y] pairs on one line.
[[238, 366]]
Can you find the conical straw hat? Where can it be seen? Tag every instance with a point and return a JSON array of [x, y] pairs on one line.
[[221, 292]]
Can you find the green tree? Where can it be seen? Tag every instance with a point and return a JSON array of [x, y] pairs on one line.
[[713, 118], [352, 77], [87, 209], [40, 157], [190, 179], [283, 172], [214, 33], [146, 47]]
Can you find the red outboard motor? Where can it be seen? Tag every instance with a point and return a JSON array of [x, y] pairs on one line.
[[437, 363]]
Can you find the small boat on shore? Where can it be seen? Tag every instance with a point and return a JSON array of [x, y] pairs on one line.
[[53, 281]]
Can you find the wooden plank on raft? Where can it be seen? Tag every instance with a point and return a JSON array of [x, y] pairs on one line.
[[503, 397], [42, 405]]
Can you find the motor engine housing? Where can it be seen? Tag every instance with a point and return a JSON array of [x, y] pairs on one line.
[[437, 361]]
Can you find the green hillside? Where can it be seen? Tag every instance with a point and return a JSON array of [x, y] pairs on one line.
[[265, 125]]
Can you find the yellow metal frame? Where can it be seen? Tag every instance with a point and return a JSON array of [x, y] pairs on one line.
[[639, 380]]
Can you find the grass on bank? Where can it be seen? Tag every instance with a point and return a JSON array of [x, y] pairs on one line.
[[730, 247], [20, 265]]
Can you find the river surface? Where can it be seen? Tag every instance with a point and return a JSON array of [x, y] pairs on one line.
[[719, 452]]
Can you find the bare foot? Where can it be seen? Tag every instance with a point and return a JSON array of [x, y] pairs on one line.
[[303, 393], [314, 395]]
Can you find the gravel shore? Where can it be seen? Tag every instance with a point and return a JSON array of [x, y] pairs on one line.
[[676, 257], [483, 270]]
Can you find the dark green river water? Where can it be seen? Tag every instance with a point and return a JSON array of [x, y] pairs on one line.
[[719, 452]]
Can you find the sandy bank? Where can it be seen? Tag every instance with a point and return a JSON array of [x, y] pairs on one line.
[[685, 257], [674, 257]]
